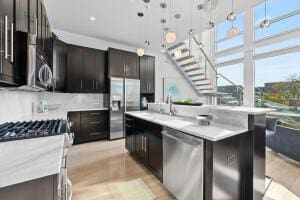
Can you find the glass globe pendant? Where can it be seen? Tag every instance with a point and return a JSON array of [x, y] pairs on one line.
[[265, 24], [140, 51], [163, 48], [233, 31], [231, 16], [170, 37]]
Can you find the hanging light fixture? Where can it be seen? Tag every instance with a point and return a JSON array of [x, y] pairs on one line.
[[200, 44], [265, 23], [147, 42], [177, 53], [232, 15], [233, 31], [191, 31], [140, 51], [210, 24], [163, 46], [170, 36]]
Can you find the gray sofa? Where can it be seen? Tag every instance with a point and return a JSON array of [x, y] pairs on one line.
[[283, 140]]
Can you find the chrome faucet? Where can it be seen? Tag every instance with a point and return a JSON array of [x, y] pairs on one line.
[[170, 102]]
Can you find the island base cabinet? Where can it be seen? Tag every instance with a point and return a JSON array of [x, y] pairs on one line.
[[144, 141], [45, 188]]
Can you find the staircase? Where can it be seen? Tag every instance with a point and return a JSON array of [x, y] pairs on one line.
[[193, 70], [199, 71]]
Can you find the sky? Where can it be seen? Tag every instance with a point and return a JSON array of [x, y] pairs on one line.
[[270, 69]]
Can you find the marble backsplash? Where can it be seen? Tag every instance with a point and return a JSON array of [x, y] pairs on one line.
[[18, 105], [233, 118]]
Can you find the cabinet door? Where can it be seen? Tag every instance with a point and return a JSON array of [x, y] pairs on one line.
[[143, 74], [129, 135], [33, 21], [8, 68], [59, 64], [100, 71], [21, 15], [150, 73], [88, 70], [74, 69], [74, 118], [116, 63], [141, 146], [132, 69], [155, 149]]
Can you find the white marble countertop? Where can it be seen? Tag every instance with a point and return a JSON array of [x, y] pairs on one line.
[[29, 159], [213, 132], [241, 109]]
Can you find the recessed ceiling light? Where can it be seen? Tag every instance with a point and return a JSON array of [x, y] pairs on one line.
[[92, 18]]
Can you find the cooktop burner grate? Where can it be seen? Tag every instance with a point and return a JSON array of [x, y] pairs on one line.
[[25, 130]]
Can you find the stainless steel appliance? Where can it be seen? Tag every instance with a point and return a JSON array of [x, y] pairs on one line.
[[124, 96], [183, 165]]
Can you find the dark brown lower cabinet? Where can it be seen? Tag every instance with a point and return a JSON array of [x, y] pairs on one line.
[[43, 188], [89, 125], [144, 140]]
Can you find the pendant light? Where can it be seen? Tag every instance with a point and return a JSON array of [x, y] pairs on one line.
[[265, 23], [232, 15], [170, 36], [200, 44], [163, 46], [210, 24], [177, 53], [147, 42], [191, 31], [140, 51]]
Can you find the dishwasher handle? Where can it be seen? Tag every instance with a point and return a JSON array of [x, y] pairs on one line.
[[182, 137]]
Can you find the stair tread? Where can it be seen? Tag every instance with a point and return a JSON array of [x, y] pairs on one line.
[[185, 58], [176, 46], [189, 64]]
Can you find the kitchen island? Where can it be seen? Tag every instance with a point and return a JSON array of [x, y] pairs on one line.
[[231, 162]]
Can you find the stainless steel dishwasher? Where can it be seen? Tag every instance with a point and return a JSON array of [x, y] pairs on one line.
[[183, 165]]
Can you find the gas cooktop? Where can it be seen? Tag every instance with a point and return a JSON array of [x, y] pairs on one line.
[[32, 129]]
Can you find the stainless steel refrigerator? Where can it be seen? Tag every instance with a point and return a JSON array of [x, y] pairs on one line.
[[124, 96]]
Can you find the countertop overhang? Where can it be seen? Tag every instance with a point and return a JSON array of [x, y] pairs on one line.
[[213, 132], [29, 159]]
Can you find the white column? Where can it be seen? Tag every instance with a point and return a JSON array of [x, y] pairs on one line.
[[249, 76]]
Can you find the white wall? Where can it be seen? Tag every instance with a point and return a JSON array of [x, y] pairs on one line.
[[161, 68]]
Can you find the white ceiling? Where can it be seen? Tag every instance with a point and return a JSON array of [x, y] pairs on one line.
[[117, 21]]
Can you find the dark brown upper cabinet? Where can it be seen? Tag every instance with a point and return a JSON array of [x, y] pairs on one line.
[[86, 70], [8, 71], [132, 67], [147, 74], [59, 64], [101, 71], [123, 64], [116, 63]]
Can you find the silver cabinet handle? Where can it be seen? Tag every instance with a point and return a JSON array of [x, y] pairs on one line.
[[6, 37], [93, 84], [36, 26], [145, 145], [142, 143], [12, 43], [70, 189], [95, 122], [95, 133], [95, 113], [81, 84]]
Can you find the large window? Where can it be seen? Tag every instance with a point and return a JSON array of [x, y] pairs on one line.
[[230, 94], [277, 86], [223, 41], [284, 16]]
